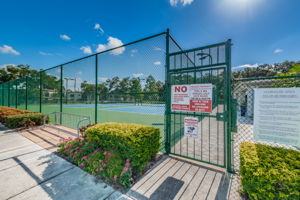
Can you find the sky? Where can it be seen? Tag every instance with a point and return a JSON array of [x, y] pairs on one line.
[[47, 33]]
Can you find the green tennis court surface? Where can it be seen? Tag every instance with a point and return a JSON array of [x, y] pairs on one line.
[[147, 114]]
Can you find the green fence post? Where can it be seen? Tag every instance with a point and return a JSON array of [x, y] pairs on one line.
[[96, 89], [26, 93], [16, 96], [229, 107], [2, 87], [8, 94], [61, 94], [167, 100], [41, 90]]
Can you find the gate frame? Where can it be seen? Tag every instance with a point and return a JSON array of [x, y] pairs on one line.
[[227, 101]]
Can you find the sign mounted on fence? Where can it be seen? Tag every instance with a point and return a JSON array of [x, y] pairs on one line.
[[191, 127], [192, 98], [277, 115]]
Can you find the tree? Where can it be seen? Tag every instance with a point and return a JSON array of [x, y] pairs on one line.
[[113, 84], [150, 84], [289, 82], [265, 70], [11, 72]]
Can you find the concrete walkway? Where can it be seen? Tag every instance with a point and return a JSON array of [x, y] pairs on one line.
[[28, 171]]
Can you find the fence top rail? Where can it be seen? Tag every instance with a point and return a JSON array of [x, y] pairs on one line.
[[111, 49], [199, 48], [95, 54], [265, 77]]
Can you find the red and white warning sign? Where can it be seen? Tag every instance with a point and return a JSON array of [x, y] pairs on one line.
[[180, 98], [193, 98], [191, 127], [201, 98]]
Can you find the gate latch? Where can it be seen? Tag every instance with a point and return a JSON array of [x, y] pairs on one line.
[[221, 116]]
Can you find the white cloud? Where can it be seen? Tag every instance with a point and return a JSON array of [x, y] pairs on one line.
[[5, 65], [98, 27], [183, 2], [102, 79], [278, 50], [186, 2], [157, 63], [112, 43], [86, 49], [45, 53], [79, 73], [138, 75], [57, 70], [5, 49], [157, 49], [133, 52], [246, 66], [64, 37]]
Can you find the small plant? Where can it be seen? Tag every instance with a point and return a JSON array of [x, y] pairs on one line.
[[105, 163]]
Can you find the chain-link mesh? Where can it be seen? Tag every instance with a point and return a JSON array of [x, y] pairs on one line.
[[125, 84], [243, 94], [33, 92]]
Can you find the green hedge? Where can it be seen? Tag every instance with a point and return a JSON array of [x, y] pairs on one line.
[[24, 120], [137, 142], [269, 172]]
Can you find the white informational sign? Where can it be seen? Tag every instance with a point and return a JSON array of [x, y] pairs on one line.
[[277, 115], [191, 127], [192, 98]]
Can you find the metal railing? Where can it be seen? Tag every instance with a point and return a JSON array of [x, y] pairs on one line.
[[70, 120]]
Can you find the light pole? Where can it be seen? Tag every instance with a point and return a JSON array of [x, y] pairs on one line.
[[67, 80], [204, 56]]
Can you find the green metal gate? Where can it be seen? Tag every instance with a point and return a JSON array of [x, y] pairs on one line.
[[205, 65]]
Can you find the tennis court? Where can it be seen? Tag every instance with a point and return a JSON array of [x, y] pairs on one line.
[[151, 109]]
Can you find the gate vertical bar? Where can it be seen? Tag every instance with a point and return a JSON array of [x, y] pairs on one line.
[[26, 93], [96, 89], [228, 113], [61, 95], [167, 106]]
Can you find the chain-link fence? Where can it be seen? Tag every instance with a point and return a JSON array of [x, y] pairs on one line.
[[243, 93], [124, 84]]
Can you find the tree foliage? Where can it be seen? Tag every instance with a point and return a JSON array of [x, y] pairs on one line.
[[265, 70], [11, 72]]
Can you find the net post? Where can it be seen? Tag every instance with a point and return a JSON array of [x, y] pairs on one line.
[[96, 89], [167, 100]]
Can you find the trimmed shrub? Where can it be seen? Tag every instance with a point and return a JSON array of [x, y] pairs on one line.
[[136, 142], [7, 111], [24, 120], [269, 172]]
